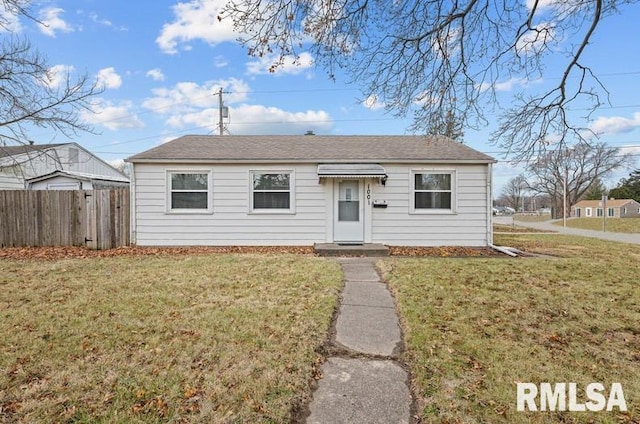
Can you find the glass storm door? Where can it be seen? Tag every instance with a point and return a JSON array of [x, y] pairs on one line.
[[348, 223]]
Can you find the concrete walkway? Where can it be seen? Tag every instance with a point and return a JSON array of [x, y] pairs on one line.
[[548, 226], [363, 382]]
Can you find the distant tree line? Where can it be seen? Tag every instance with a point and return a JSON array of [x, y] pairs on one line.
[[577, 171]]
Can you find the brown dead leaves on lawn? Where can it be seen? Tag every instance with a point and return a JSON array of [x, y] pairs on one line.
[[73, 252]]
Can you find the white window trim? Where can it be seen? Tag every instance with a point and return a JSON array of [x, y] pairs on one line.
[[292, 192], [587, 212], [207, 211], [454, 191], [611, 212]]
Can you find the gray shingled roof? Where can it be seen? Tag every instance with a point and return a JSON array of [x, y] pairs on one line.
[[316, 148], [6, 151]]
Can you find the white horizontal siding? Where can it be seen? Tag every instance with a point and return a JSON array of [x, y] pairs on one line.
[[11, 182], [395, 225], [230, 222]]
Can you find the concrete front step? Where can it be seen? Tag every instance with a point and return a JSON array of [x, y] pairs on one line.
[[365, 249]]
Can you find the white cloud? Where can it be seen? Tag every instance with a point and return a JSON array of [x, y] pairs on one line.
[[542, 4], [98, 20], [112, 116], [258, 119], [9, 20], [57, 75], [109, 78], [220, 62], [51, 22], [615, 124], [156, 74], [196, 20], [289, 65], [536, 40], [186, 97], [188, 104], [507, 85], [372, 103]]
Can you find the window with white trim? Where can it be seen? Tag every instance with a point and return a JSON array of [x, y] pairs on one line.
[[599, 212], [188, 191], [433, 191], [611, 212], [272, 191], [587, 212]]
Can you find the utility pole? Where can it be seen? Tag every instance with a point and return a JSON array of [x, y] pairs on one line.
[[604, 212], [221, 109]]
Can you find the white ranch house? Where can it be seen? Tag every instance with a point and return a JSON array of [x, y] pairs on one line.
[[302, 190]]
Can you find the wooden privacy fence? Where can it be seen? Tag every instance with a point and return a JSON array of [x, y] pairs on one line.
[[98, 219]]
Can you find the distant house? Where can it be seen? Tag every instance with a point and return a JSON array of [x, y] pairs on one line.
[[301, 190], [66, 166], [615, 208]]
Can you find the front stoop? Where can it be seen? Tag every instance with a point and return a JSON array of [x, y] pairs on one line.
[[366, 249]]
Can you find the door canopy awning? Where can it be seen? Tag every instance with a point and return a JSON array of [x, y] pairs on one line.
[[352, 170]]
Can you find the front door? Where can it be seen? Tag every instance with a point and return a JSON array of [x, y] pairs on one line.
[[348, 223]]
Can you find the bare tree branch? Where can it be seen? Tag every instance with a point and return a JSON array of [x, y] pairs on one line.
[[31, 96], [435, 57]]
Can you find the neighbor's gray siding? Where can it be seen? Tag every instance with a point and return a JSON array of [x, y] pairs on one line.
[[230, 223], [395, 225], [15, 170], [632, 210]]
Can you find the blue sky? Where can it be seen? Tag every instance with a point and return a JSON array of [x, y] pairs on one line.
[[162, 61]]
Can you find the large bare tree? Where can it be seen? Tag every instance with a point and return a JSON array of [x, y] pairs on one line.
[[514, 191], [31, 95], [577, 167], [434, 57]]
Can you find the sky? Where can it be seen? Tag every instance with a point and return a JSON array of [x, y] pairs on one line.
[[162, 62]]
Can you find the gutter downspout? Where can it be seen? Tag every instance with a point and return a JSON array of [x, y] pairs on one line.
[[503, 250], [132, 206], [490, 205]]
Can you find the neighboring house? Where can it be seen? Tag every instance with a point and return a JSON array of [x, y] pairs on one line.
[[616, 208], [69, 180], [55, 166], [301, 190]]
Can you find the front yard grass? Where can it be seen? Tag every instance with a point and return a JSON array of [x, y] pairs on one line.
[[532, 218], [614, 225], [475, 327], [208, 338]]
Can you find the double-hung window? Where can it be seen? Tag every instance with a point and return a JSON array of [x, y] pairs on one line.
[[189, 191], [433, 191], [272, 191], [611, 212]]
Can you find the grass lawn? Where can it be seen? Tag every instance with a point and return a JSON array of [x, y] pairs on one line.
[[501, 228], [475, 327], [614, 225], [532, 218], [201, 338]]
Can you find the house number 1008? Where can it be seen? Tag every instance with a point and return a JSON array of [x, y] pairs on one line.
[[368, 194]]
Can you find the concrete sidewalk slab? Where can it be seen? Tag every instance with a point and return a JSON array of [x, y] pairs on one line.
[[359, 293], [372, 330], [361, 391], [360, 271]]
